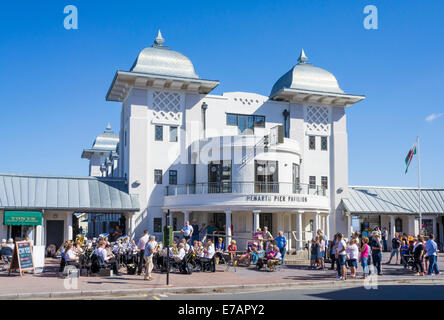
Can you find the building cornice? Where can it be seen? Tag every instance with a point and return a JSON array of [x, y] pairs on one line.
[[125, 80]]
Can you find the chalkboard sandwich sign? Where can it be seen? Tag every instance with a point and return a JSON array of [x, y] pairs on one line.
[[22, 259]]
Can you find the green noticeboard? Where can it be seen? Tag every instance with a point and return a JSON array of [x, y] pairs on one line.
[[23, 218]]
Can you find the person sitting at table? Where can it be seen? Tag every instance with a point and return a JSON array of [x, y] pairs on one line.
[[269, 248], [186, 246], [178, 254], [272, 260], [271, 254], [220, 247], [208, 255], [258, 235], [232, 248], [71, 257], [103, 251], [258, 252]]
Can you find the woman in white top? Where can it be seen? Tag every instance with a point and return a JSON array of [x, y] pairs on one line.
[[341, 254], [71, 257], [352, 254], [321, 251]]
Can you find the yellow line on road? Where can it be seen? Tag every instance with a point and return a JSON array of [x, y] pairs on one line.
[[156, 298]]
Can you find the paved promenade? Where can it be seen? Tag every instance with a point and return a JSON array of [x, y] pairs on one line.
[[50, 282]]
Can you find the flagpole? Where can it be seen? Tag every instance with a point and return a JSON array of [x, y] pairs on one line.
[[419, 187]]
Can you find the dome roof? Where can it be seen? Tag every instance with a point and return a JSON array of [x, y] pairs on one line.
[[107, 140], [160, 60], [307, 77]]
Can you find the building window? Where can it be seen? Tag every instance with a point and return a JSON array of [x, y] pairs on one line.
[[324, 143], [245, 123], [296, 178], [312, 142], [173, 134], [398, 225], [324, 182], [219, 177], [259, 121], [158, 133], [172, 177], [311, 227], [266, 176], [312, 182], [157, 176], [231, 119], [157, 225], [125, 138]]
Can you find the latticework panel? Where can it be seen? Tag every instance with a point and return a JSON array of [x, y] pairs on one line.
[[317, 120], [167, 106]]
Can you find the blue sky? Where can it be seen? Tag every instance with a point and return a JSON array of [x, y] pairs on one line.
[[54, 81]]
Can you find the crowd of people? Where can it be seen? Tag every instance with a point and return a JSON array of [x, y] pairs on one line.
[[419, 253], [208, 248]]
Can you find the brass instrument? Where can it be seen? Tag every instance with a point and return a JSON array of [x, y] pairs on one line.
[[80, 239]]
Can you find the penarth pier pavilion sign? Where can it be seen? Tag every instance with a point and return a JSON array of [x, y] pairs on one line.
[[276, 198]]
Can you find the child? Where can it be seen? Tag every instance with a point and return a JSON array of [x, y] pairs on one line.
[[314, 254]]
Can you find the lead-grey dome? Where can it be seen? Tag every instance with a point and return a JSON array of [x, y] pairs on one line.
[[305, 76], [160, 60]]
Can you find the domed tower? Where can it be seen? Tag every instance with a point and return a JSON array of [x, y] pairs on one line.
[[317, 118], [156, 94], [104, 146]]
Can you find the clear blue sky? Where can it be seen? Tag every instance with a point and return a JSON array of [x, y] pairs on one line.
[[54, 81]]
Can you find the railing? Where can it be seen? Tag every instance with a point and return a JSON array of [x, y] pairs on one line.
[[244, 188]]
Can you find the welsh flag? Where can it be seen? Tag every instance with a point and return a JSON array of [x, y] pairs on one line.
[[409, 157]]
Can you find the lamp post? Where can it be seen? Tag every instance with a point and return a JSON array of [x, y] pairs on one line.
[[168, 247], [103, 169], [204, 109], [114, 156]]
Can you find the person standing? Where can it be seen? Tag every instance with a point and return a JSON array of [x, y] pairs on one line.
[[418, 256], [187, 231], [141, 246], [384, 236], [376, 246], [353, 254], [396, 246], [268, 237], [150, 249], [333, 252], [321, 251], [195, 236], [364, 257], [281, 243], [432, 253], [341, 256]]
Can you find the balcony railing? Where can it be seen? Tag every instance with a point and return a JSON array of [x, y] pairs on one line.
[[244, 188]]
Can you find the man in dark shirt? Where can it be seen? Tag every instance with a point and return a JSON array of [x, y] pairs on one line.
[[376, 246], [396, 245]]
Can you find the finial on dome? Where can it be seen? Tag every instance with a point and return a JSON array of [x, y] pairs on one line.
[[108, 127], [302, 58], [159, 40]]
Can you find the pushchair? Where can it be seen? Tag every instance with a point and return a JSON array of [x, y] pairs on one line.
[[408, 259]]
